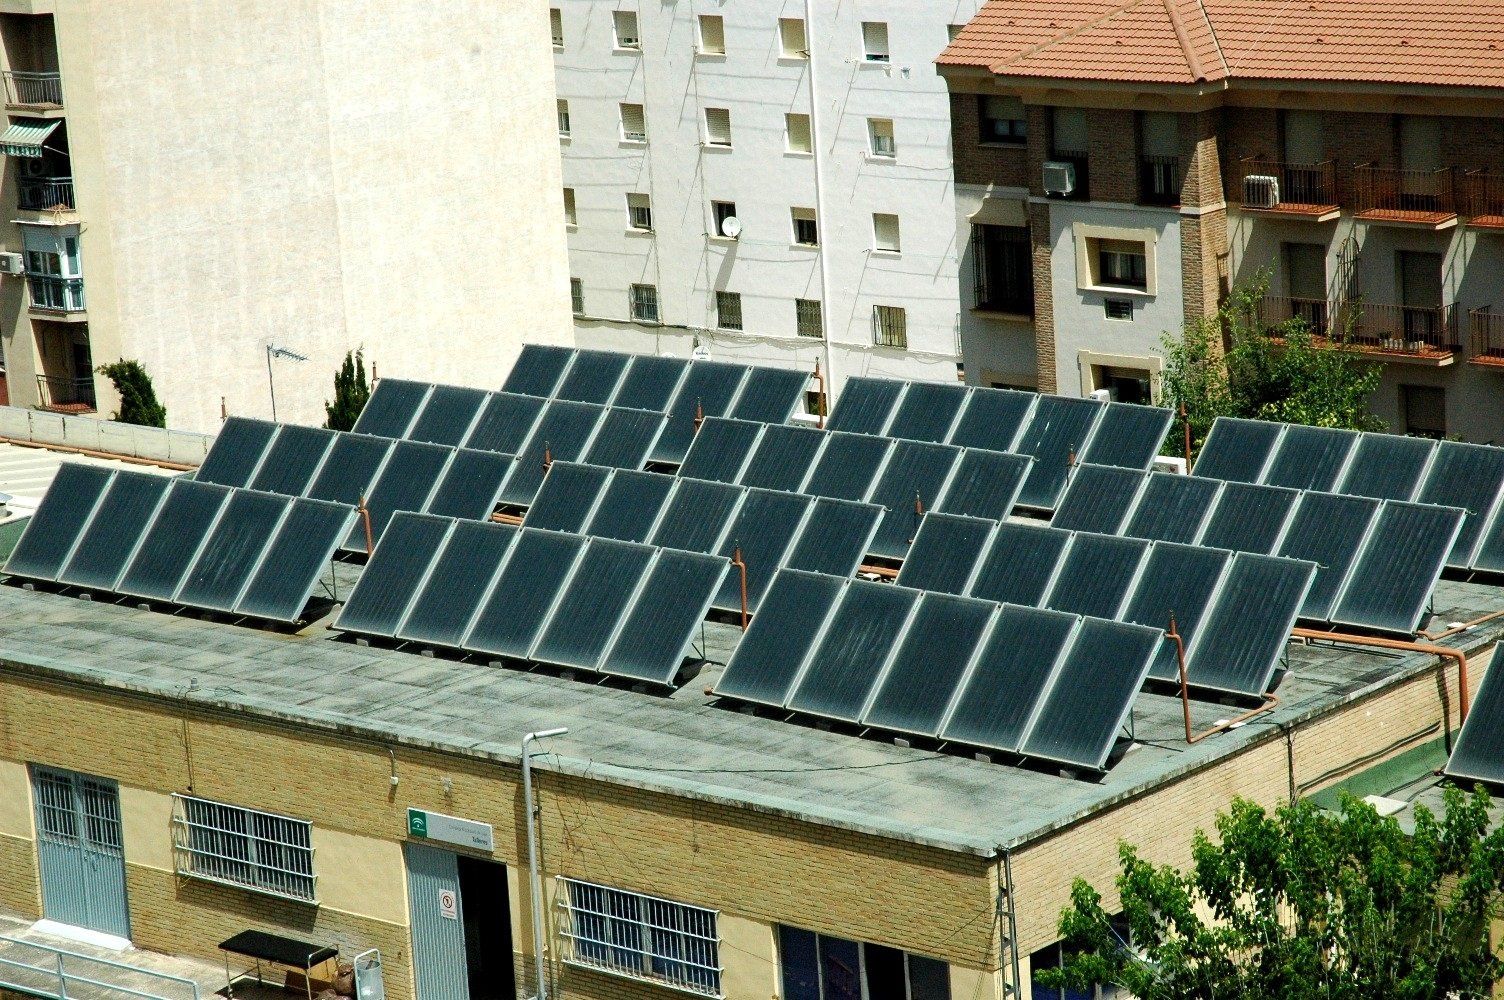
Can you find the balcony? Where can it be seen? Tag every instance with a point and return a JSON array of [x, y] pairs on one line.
[[65, 394], [1304, 191], [1488, 338], [1422, 334], [51, 293], [1483, 199], [43, 194], [34, 91], [1425, 199], [1159, 179]]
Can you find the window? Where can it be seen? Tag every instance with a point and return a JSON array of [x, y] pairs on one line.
[[880, 137], [1002, 120], [1069, 143], [625, 22], [642, 937], [885, 232], [791, 39], [821, 967], [563, 119], [807, 318], [890, 327], [720, 211], [260, 851], [569, 215], [796, 131], [952, 30], [712, 35], [645, 303], [1003, 269], [1121, 264], [556, 25], [718, 127], [640, 212], [1425, 409], [1117, 308], [875, 41], [53, 267], [806, 233], [1048, 957], [634, 127], [577, 296], [1159, 158], [728, 310]]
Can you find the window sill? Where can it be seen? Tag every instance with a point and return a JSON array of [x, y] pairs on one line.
[[633, 143], [804, 154], [786, 58], [572, 226], [1001, 144], [246, 887], [1116, 290], [621, 50], [631, 231], [1013, 317], [885, 62], [881, 158], [722, 147], [565, 138], [712, 56], [886, 253], [804, 246], [729, 240]]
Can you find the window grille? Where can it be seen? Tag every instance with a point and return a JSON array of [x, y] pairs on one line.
[[807, 318], [728, 310], [633, 125], [642, 937], [717, 127], [259, 851], [577, 296], [797, 128], [890, 327], [645, 303], [564, 119], [1003, 269], [556, 22]]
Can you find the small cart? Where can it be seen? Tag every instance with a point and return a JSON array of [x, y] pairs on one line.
[[274, 949]]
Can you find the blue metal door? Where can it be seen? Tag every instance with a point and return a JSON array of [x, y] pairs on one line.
[[433, 904], [79, 851]]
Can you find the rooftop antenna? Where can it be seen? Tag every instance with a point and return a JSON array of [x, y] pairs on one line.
[[273, 351]]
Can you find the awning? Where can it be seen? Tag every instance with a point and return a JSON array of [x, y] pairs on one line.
[[1000, 212], [26, 138]]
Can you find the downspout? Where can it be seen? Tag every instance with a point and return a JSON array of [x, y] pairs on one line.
[[535, 877], [821, 218], [1271, 701]]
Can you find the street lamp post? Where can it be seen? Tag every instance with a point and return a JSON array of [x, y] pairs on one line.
[[534, 876]]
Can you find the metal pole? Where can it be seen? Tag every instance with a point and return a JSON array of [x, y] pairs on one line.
[[821, 217], [271, 385], [535, 878]]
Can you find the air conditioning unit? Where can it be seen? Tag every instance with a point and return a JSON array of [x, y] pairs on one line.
[[1102, 395], [1059, 178], [1260, 191], [12, 263]]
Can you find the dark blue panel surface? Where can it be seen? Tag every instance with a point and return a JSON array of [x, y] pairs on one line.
[[567, 497], [392, 408], [847, 466], [505, 423], [232, 551], [441, 611], [768, 658], [110, 539], [944, 553], [625, 438], [295, 560], [1009, 677], [539, 369], [390, 579], [1097, 498], [1239, 643], [471, 485], [985, 484], [294, 457], [770, 395], [845, 666], [697, 515], [448, 414], [1328, 530], [865, 405], [929, 663], [1479, 753], [1178, 581], [237, 450], [1129, 436], [1386, 466], [629, 508], [535, 572], [992, 419], [720, 450], [1470, 476], [650, 382], [707, 391], [764, 528], [913, 478], [592, 604], [1056, 436], [173, 539], [593, 377], [1310, 458], [405, 483], [561, 434], [1249, 518], [665, 618], [350, 468], [1237, 450], [835, 538], [1096, 575], [1019, 565], [928, 411], [783, 457], [1172, 507], [1391, 583]]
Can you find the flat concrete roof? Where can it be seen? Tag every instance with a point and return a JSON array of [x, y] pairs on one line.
[[682, 745]]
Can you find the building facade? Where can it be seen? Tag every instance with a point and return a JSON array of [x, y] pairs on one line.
[[821, 128], [1365, 188], [190, 183]]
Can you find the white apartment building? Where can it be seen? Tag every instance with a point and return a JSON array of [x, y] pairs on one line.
[[822, 128]]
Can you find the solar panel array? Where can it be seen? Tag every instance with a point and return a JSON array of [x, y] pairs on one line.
[[180, 542], [1054, 430], [773, 529], [1039, 683], [596, 604], [1381, 466], [681, 389], [1478, 754], [1378, 560], [1233, 611], [895, 474], [342, 467]]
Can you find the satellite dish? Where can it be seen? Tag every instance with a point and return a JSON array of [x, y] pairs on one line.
[[731, 227], [700, 353]]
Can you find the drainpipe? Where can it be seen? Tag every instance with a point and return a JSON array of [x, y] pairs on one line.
[[1271, 701], [821, 218], [1414, 647], [535, 878]]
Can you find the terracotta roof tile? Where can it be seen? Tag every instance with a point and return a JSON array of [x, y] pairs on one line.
[[1188, 41]]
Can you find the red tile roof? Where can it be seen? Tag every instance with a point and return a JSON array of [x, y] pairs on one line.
[[1435, 42]]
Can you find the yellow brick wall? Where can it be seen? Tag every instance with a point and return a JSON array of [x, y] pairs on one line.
[[19, 891]]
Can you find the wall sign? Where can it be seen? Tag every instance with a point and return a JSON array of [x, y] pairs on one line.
[[449, 906], [426, 825]]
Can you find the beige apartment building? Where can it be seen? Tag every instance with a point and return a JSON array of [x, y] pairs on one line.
[[1120, 167], [188, 182]]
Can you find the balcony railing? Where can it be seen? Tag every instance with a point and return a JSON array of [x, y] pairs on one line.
[[1159, 179], [1371, 326], [1419, 195], [1483, 197], [62, 392], [34, 89], [1300, 184], [56, 294], [1488, 336], [39, 194], [1315, 313]]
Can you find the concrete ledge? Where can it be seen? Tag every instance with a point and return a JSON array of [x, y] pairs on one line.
[[151, 444]]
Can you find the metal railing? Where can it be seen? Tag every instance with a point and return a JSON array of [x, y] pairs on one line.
[[1159, 179], [1384, 189], [44, 971], [64, 390], [1483, 193], [38, 194], [34, 89], [1376, 326], [1299, 183], [56, 293], [1487, 333], [1315, 313]]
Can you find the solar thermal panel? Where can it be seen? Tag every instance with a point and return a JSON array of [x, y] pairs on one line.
[[462, 573], [630, 505], [394, 574], [350, 468], [505, 423], [1479, 752], [650, 382], [1129, 436], [985, 484], [109, 539], [405, 483], [236, 452], [783, 457], [536, 569], [1097, 498], [624, 439], [1172, 508], [708, 390], [232, 550], [721, 450], [567, 497], [945, 552], [912, 479], [448, 414], [1249, 518], [849, 658], [1180, 582], [993, 419], [1328, 530], [927, 412], [927, 667], [1489, 558], [392, 408], [593, 377], [1470, 476], [561, 434], [865, 405], [592, 604], [847, 466], [172, 540], [1386, 466], [1096, 575], [294, 456], [1019, 565], [837, 534], [697, 516], [539, 369], [1239, 642], [764, 530], [787, 626], [1310, 458], [471, 485], [769, 395], [1056, 435], [997, 698], [658, 631], [1238, 450], [1391, 582], [280, 588]]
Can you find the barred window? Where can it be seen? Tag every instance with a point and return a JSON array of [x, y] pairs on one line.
[[642, 937], [728, 310], [890, 326], [577, 296], [807, 318], [259, 851], [645, 303]]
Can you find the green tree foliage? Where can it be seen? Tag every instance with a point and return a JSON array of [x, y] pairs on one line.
[[1280, 372], [1301, 903], [138, 400], [350, 393]]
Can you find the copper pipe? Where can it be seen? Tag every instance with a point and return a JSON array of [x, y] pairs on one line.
[[736, 560], [882, 571], [507, 518], [819, 376], [699, 415], [918, 516], [1070, 458], [1463, 627], [93, 453], [224, 414], [365, 515], [548, 456], [1415, 647], [1271, 701], [374, 377], [1185, 420]]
